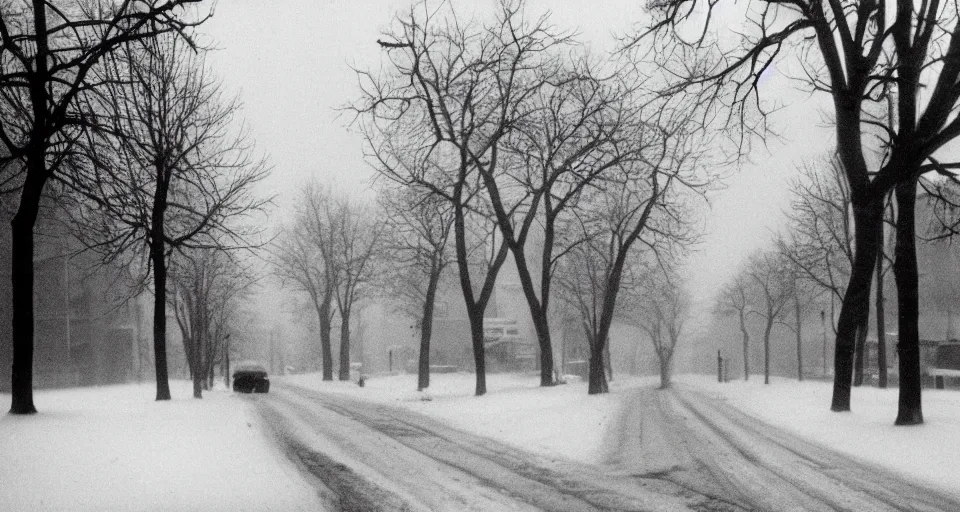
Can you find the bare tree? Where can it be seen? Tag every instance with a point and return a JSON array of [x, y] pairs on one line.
[[861, 54], [168, 168], [819, 245], [207, 284], [660, 306], [304, 256], [357, 237], [733, 299], [440, 98], [418, 230], [772, 288], [576, 127], [46, 57], [819, 240], [642, 203]]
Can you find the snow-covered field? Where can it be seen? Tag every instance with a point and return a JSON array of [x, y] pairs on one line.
[[114, 448], [929, 453], [561, 420]]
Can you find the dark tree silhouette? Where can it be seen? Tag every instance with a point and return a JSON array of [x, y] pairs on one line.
[[418, 231], [860, 54], [167, 168], [47, 55]]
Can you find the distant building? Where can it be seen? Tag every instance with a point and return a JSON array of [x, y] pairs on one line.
[[88, 331]]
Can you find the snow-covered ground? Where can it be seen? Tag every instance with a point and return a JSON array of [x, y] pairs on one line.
[[928, 453], [561, 420], [114, 448]]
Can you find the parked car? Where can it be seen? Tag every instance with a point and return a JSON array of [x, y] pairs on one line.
[[250, 377]]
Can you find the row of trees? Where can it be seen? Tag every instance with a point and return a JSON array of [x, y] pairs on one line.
[[113, 102], [328, 252], [811, 260], [889, 69], [533, 149]]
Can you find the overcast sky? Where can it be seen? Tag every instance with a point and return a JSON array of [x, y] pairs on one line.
[[290, 62]]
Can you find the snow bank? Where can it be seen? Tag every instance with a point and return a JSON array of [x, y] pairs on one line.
[[115, 448], [559, 421], [927, 452]]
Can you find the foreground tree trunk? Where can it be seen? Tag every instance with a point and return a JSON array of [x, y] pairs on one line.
[[854, 310], [542, 326], [426, 331], [344, 345], [21, 275], [479, 352], [597, 379], [766, 348], [326, 350], [796, 310], [881, 326], [665, 373], [746, 346], [881, 329], [198, 379], [905, 272], [160, 316]]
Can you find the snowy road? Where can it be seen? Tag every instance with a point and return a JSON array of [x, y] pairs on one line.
[[367, 456], [711, 448], [676, 450]]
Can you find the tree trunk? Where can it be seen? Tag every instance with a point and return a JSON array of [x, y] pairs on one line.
[[22, 226], [159, 262], [905, 272], [345, 344], [881, 325], [664, 372], [606, 360], [854, 311], [226, 362], [746, 347], [538, 315], [542, 327], [766, 349], [198, 379], [426, 330], [597, 379], [479, 355], [796, 310], [326, 350]]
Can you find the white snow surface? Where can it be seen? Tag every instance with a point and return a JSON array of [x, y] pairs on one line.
[[927, 453], [115, 448], [556, 421]]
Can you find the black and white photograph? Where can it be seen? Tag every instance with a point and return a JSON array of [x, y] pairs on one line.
[[479, 255]]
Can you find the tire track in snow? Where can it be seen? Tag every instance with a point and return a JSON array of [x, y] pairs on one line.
[[836, 481], [375, 461], [544, 483], [695, 441]]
